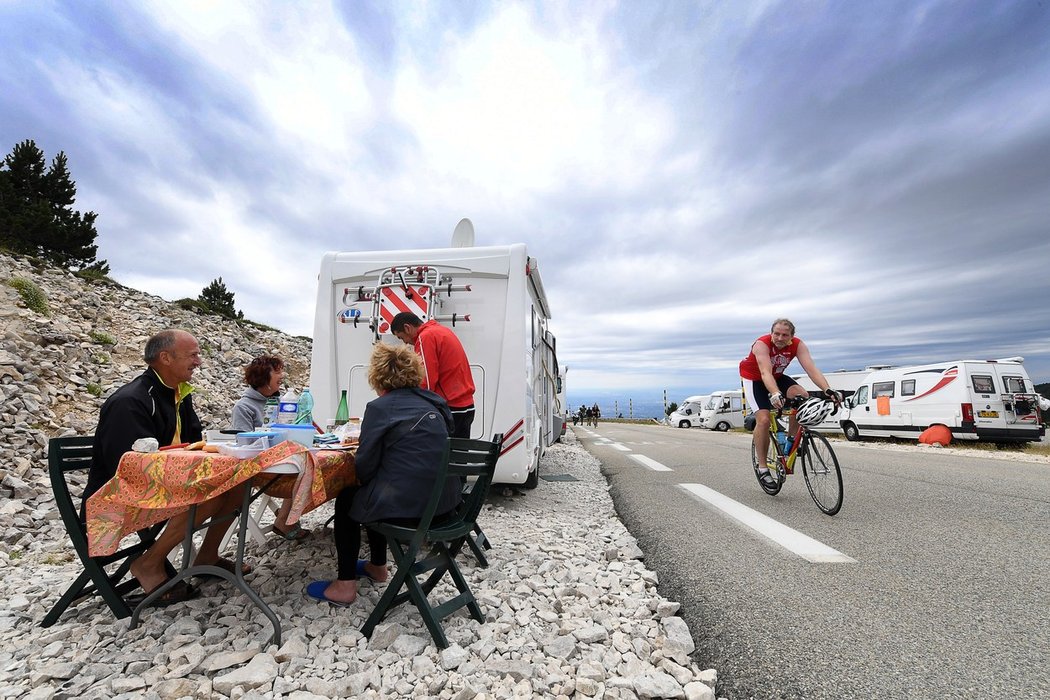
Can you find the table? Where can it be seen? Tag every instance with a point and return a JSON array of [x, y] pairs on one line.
[[149, 488]]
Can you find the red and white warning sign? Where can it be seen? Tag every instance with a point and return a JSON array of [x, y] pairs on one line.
[[396, 299]]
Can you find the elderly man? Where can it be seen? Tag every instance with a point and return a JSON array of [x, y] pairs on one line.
[[446, 370], [159, 404]]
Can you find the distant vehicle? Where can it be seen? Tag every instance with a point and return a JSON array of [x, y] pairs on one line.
[[723, 410], [491, 296], [562, 408], [990, 400], [845, 381], [687, 415]]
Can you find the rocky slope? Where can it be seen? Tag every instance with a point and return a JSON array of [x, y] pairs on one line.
[[56, 371]]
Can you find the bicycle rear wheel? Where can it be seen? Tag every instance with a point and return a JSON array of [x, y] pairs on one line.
[[820, 467], [777, 474]]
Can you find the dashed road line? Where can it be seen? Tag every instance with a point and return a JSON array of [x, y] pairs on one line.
[[651, 463], [792, 540]]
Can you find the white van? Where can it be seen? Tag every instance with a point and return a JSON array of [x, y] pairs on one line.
[[687, 415], [492, 297], [845, 381], [723, 410], [989, 400]]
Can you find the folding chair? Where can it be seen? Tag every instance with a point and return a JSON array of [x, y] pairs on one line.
[[461, 458], [65, 456]]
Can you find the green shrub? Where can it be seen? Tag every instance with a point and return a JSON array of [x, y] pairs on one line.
[[192, 305], [100, 358], [94, 388], [102, 338], [31, 294], [93, 274]]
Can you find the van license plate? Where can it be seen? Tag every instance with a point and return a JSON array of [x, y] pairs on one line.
[[988, 414]]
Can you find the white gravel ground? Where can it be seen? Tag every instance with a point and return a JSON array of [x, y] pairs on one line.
[[571, 611]]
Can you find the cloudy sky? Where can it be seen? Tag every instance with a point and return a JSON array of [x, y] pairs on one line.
[[683, 172]]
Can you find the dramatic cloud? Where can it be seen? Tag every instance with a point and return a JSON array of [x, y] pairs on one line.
[[683, 172]]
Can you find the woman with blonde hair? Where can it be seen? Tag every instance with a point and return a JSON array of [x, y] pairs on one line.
[[403, 436]]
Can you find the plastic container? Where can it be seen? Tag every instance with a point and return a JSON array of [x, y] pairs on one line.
[[303, 434], [248, 438]]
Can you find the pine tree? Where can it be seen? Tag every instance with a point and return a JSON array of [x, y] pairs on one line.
[[36, 211], [218, 299]]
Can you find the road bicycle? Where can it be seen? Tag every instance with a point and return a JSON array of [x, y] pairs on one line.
[[820, 466]]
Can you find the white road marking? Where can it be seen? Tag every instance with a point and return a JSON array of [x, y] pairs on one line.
[[792, 540], [618, 446], [651, 463]]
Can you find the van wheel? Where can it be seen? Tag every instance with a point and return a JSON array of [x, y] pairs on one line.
[[533, 479], [722, 427], [852, 434], [683, 424]]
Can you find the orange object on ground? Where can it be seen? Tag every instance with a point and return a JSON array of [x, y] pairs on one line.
[[151, 487], [936, 435]]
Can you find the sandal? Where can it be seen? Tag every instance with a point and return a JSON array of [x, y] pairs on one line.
[[362, 572], [294, 534], [226, 565], [178, 593], [316, 590]]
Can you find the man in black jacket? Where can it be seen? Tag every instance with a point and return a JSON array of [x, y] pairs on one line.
[[159, 404]]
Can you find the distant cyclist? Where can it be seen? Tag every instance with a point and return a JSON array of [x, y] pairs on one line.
[[766, 387]]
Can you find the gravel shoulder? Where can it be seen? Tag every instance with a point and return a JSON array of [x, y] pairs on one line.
[[570, 610]]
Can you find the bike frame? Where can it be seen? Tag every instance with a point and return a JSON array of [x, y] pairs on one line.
[[801, 435]]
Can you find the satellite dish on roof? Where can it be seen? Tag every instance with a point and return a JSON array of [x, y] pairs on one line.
[[463, 236]]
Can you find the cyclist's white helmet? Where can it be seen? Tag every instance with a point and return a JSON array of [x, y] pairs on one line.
[[813, 411]]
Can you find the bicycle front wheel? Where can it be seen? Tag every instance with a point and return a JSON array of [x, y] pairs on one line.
[[820, 466]]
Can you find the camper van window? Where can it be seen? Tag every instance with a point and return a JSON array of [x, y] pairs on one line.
[[1014, 385], [907, 387], [882, 389], [861, 397], [983, 384]]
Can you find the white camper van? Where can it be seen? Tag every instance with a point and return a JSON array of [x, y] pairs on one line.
[[492, 297], [723, 410], [687, 415], [990, 400]]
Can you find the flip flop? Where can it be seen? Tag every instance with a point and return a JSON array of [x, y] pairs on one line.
[[226, 565], [316, 591], [293, 534], [361, 572], [178, 593]]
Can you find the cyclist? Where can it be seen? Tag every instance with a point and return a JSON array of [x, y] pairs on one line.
[[766, 386]]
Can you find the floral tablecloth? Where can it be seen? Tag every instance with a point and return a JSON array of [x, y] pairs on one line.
[[151, 487]]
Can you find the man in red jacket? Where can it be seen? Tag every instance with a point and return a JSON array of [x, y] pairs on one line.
[[445, 366]]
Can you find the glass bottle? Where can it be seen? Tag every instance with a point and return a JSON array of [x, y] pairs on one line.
[[342, 414]]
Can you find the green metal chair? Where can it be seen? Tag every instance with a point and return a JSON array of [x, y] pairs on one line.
[[71, 455], [464, 459]]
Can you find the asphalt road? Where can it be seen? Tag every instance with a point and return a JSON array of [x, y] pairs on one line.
[[947, 594]]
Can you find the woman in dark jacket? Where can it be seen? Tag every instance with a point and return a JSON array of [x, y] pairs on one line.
[[403, 436]]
